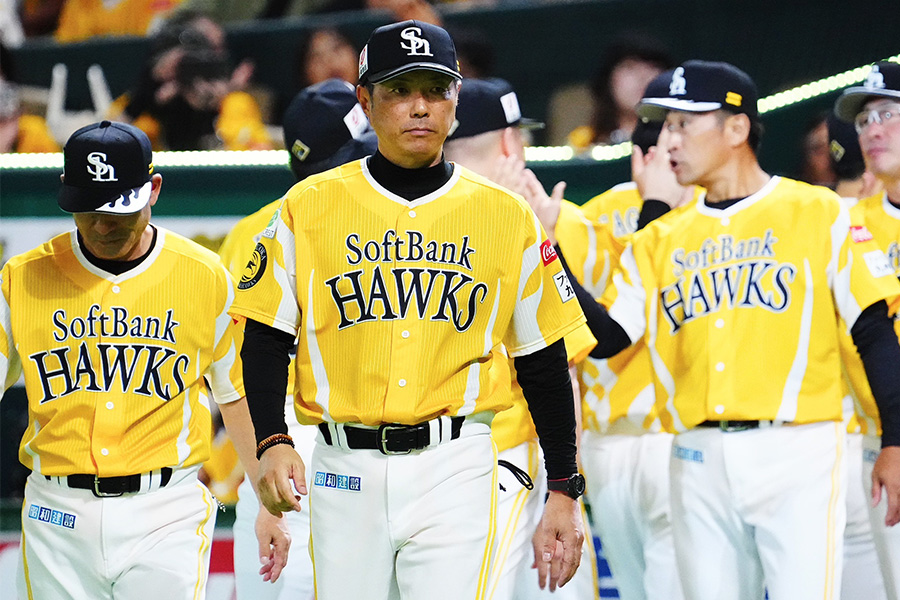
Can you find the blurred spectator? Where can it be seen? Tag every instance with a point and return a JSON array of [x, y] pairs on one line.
[[326, 53], [84, 19], [11, 34], [852, 181], [189, 90], [19, 132], [402, 10], [475, 52], [629, 63], [40, 17], [236, 11], [815, 159]]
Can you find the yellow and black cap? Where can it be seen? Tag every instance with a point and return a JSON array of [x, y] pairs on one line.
[[107, 168], [703, 86], [407, 46]]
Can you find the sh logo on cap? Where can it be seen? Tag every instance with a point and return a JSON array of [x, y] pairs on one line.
[[415, 42], [875, 79], [101, 171], [678, 87]]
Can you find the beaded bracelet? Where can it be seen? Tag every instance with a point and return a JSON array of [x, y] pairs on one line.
[[273, 440]]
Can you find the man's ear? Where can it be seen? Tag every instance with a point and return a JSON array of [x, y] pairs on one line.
[[156, 186], [737, 128], [364, 99]]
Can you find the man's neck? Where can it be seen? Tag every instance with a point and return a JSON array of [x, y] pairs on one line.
[[738, 179], [409, 183]]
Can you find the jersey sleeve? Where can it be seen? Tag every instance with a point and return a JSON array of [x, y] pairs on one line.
[[590, 249], [859, 271], [546, 308], [226, 371], [579, 343], [625, 297], [10, 365], [266, 291]]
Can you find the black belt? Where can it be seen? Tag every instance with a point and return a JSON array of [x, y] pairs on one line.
[[113, 486], [734, 425], [391, 438]]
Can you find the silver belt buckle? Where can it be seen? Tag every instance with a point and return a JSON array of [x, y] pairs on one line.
[[100, 494], [382, 438]]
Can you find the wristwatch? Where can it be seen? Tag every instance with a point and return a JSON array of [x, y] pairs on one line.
[[572, 487]]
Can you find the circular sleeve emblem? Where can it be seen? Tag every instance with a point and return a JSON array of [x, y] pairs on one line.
[[254, 269]]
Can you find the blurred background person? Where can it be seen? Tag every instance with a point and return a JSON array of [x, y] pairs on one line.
[[19, 130], [83, 19], [629, 63], [815, 159], [189, 98], [326, 53]]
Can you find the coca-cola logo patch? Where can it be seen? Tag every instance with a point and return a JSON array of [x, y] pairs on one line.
[[548, 253]]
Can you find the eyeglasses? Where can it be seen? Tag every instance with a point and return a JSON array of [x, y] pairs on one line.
[[882, 116]]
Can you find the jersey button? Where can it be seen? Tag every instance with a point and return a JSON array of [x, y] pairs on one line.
[[720, 409], [402, 383], [110, 405], [104, 452], [404, 334], [115, 289], [720, 367], [720, 323], [725, 221], [412, 214]]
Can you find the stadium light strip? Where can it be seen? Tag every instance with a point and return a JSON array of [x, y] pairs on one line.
[[261, 158]]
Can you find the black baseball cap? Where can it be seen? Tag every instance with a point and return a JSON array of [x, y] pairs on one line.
[[407, 46], [646, 132], [883, 80], [107, 168], [324, 126], [488, 105], [843, 146], [703, 86]]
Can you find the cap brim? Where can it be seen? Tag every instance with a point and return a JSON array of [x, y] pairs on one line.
[[75, 199], [420, 66], [852, 100], [655, 109]]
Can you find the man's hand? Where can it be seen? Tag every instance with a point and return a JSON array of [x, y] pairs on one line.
[[278, 466], [274, 540], [886, 474], [510, 172], [558, 541], [653, 173]]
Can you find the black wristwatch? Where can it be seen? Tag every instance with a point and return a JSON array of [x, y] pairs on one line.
[[572, 487]]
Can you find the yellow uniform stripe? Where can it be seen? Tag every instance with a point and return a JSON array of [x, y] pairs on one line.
[[202, 568], [486, 557]]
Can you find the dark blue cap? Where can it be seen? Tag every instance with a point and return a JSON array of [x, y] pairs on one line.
[[407, 46], [883, 80], [107, 168], [488, 105]]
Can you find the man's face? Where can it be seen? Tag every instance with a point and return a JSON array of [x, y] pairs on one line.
[[880, 142], [697, 145], [117, 237], [412, 115]]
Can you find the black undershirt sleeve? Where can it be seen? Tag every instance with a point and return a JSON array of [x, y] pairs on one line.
[[650, 211], [544, 377], [875, 339], [266, 357], [611, 338]]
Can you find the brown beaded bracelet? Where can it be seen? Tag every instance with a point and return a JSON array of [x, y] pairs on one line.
[[273, 440]]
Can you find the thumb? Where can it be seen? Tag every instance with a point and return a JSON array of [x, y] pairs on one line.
[[558, 192], [637, 162]]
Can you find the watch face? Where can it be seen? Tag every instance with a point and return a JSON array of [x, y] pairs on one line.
[[576, 485]]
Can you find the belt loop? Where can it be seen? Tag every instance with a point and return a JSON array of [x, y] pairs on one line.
[[338, 435], [434, 432]]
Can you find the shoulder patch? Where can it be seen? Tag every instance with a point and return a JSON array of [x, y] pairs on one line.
[[548, 253], [254, 269], [859, 234]]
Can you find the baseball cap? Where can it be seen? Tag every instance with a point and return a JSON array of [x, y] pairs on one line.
[[843, 146], [883, 80], [646, 132], [323, 124], [488, 105], [407, 46], [107, 168], [703, 86]]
